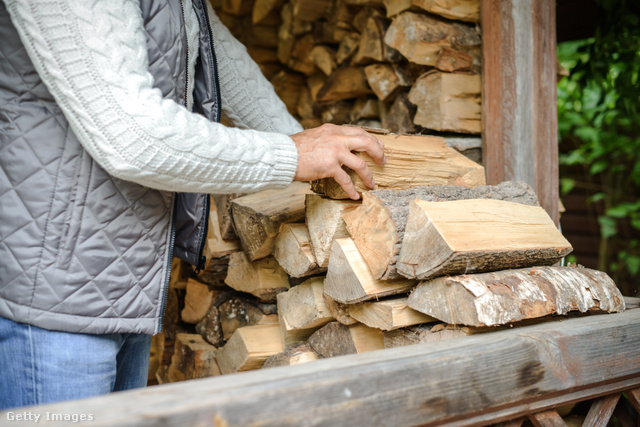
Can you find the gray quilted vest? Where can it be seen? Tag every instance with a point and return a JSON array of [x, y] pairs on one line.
[[81, 251]]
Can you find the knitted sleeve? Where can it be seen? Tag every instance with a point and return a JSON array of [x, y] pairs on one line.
[[248, 99], [92, 57]]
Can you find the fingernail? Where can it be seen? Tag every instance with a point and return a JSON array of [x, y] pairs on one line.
[[380, 142]]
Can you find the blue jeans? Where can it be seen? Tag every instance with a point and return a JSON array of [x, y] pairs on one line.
[[40, 366]]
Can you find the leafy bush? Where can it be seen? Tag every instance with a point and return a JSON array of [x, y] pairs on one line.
[[599, 119]]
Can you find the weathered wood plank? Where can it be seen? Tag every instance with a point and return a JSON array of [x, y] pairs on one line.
[[601, 411], [548, 418], [634, 397], [519, 114], [450, 382], [491, 299]]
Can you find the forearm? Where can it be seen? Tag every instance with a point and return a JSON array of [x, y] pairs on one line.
[[92, 57]]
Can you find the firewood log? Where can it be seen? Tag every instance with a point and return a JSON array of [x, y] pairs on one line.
[[343, 83], [263, 278], [249, 348], [193, 358], [336, 339], [386, 80], [295, 355], [462, 10], [372, 46], [197, 301], [388, 314], [292, 249], [451, 60]]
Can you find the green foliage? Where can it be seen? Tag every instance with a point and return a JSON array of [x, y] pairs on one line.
[[599, 118]]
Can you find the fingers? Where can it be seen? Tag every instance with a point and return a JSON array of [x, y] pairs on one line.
[[344, 180], [360, 166], [368, 143]]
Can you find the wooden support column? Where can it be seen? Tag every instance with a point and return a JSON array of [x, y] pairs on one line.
[[519, 107]]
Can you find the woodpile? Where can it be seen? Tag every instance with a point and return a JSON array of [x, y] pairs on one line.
[[404, 265]]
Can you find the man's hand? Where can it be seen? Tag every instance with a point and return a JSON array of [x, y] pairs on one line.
[[322, 152]]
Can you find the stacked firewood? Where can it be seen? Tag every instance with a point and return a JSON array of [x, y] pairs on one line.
[[409, 66], [300, 274]]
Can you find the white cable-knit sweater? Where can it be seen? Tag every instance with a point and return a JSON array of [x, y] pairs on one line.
[[92, 56]]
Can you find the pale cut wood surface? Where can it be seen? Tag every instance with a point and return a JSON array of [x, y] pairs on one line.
[[490, 299], [420, 38], [378, 226], [349, 279], [453, 382], [257, 217], [388, 314], [463, 10], [249, 348], [448, 102], [292, 249], [263, 278], [476, 235], [412, 160], [294, 355], [197, 301], [325, 223]]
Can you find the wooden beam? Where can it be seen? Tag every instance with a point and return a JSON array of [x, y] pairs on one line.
[[634, 397], [450, 382], [519, 112], [601, 411], [548, 418]]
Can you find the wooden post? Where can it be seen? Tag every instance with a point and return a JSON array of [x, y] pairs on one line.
[[519, 110]]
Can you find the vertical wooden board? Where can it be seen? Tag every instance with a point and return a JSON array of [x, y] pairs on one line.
[[549, 418], [601, 411], [519, 96]]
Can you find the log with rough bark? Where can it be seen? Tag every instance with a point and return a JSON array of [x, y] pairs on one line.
[[378, 226], [462, 10], [448, 102], [372, 47], [420, 38], [193, 358], [343, 83], [412, 160], [496, 298], [349, 279], [302, 311], [451, 60], [222, 203], [295, 355], [477, 235], [263, 278], [197, 301], [325, 223], [388, 314], [386, 80], [336, 339], [348, 47], [339, 311], [426, 333], [249, 348], [399, 117], [258, 217], [292, 249]]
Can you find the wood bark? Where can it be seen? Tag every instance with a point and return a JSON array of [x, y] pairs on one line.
[[475, 235], [349, 279], [425, 333], [193, 358], [420, 38], [336, 339], [448, 102], [378, 226], [399, 117], [292, 249], [325, 223], [462, 10], [412, 160], [263, 278], [497, 298], [239, 312], [348, 47], [258, 216], [295, 355], [222, 203], [388, 314], [249, 348], [302, 311], [339, 311]]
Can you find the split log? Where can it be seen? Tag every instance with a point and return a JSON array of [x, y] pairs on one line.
[[349, 279], [337, 113], [222, 203], [249, 348], [395, 7], [258, 216], [388, 314], [399, 117], [324, 58], [209, 327], [361, 18], [448, 102], [427, 333], [372, 47], [263, 278], [365, 108], [473, 236], [461, 10], [285, 36], [197, 301], [263, 8], [348, 47], [237, 7], [180, 272], [325, 223], [306, 108], [343, 83], [469, 146], [288, 86], [292, 249], [420, 38], [451, 60], [339, 311], [312, 10], [302, 311], [378, 226], [295, 355], [336, 339], [193, 358], [239, 312], [300, 60], [386, 80], [412, 160], [500, 297]]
